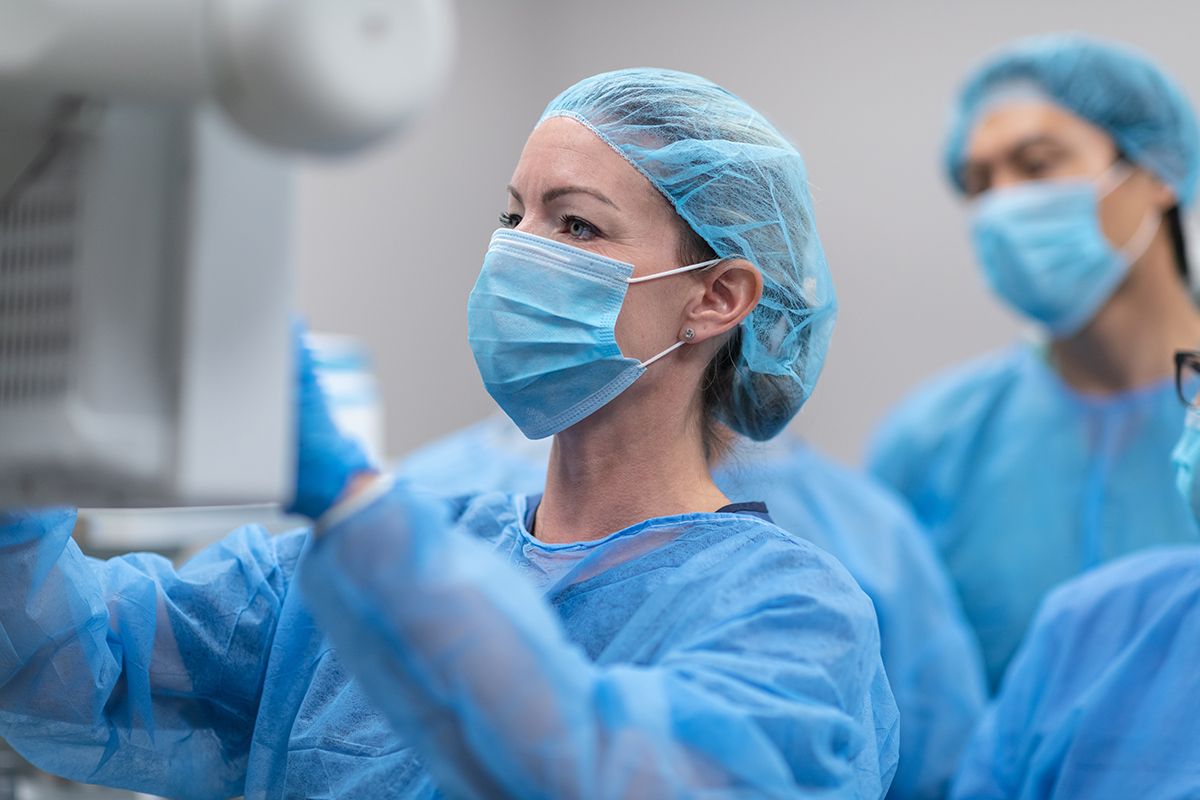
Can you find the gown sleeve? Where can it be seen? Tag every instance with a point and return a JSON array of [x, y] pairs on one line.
[[128, 672]]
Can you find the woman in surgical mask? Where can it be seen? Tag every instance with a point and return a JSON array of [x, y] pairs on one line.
[[1102, 699], [1074, 158], [633, 632]]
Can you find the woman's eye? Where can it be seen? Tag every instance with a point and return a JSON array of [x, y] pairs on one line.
[[508, 220], [579, 229]]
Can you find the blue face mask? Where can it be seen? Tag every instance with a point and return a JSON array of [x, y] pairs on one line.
[[1043, 252], [541, 323], [1186, 458]]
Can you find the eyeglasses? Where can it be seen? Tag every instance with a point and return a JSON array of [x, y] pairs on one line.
[[1187, 377]]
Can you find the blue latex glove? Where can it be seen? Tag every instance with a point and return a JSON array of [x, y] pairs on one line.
[[326, 460]]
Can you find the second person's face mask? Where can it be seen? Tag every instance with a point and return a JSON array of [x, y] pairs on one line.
[[541, 323], [1043, 252]]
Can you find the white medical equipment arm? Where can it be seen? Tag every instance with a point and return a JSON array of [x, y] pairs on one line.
[[311, 75]]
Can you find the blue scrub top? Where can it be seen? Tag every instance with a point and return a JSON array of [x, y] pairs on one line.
[[1102, 699], [1023, 483], [930, 654]]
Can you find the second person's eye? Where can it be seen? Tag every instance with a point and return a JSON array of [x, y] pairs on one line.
[[1036, 169], [1040, 164]]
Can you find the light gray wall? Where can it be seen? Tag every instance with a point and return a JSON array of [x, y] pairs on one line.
[[390, 245]]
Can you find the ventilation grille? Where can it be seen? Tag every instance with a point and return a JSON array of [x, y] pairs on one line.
[[37, 280]]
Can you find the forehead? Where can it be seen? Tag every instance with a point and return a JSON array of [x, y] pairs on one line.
[[1009, 123], [563, 151]]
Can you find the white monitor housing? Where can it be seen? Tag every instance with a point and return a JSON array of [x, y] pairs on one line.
[[145, 229]]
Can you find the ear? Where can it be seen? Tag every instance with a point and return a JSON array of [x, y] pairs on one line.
[[730, 291]]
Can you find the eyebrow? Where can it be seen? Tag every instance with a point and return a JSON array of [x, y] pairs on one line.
[[1023, 144], [553, 194], [1038, 139]]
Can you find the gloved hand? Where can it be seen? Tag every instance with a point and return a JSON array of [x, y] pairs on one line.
[[326, 461]]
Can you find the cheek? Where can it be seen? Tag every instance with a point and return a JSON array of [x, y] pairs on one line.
[[1122, 212], [646, 324]]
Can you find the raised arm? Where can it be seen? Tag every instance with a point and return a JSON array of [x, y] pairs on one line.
[[127, 672]]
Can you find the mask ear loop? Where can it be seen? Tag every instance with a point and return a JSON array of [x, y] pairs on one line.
[[677, 271], [1106, 184], [1141, 239], [663, 354], [1140, 242]]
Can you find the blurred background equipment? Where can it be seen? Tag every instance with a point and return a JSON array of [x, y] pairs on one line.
[[308, 75], [146, 228], [144, 353]]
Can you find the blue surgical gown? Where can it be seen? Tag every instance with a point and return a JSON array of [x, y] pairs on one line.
[[468, 659], [929, 652], [1023, 483], [1102, 700]]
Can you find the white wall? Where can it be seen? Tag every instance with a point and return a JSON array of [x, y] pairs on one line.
[[390, 245]]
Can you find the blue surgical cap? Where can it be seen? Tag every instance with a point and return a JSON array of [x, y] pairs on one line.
[[1111, 86], [743, 188]]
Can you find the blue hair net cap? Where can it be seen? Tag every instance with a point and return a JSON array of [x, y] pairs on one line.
[[1114, 87], [743, 188]]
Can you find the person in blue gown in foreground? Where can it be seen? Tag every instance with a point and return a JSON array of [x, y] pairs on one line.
[[1102, 699], [632, 632], [930, 654]]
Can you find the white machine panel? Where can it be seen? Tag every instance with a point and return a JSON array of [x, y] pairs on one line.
[[144, 296]]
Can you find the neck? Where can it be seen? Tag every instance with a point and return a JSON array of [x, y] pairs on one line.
[[630, 461], [1132, 341]]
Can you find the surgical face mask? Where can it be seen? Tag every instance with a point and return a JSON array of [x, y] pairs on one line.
[[541, 323], [1186, 459], [1043, 252]]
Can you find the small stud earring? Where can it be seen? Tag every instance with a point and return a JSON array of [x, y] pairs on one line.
[[688, 334]]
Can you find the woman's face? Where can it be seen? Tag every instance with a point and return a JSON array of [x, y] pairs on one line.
[[572, 187], [1032, 140]]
